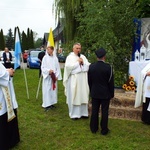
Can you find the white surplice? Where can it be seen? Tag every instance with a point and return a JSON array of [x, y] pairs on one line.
[[143, 88], [76, 85], [49, 95], [6, 81], [148, 109]]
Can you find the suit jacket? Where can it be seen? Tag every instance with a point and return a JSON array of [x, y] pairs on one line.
[[101, 80], [41, 55], [5, 57]]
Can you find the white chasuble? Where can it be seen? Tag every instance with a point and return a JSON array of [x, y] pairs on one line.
[[76, 85], [49, 94], [143, 89], [7, 95]]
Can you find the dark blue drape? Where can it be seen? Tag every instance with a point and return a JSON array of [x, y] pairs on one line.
[[137, 37]]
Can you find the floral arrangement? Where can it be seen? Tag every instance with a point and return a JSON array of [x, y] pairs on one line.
[[130, 84]]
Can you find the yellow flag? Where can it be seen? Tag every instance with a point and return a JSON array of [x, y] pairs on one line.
[[50, 38]]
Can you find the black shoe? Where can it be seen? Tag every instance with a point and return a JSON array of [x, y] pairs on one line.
[[48, 108], [94, 132], [53, 106], [105, 132], [85, 117], [74, 118]]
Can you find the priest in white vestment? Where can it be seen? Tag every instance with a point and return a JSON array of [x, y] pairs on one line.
[[76, 83], [143, 94], [51, 73], [9, 132]]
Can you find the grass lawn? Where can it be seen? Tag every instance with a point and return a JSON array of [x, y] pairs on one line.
[[54, 130]]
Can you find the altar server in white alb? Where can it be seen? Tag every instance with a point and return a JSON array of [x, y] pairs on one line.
[[9, 132], [51, 73], [75, 83], [143, 94]]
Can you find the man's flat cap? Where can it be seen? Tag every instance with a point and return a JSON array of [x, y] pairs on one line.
[[100, 52]]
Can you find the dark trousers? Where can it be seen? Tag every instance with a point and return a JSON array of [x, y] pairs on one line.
[[145, 113], [7, 65], [40, 71], [4, 145], [9, 132], [94, 122]]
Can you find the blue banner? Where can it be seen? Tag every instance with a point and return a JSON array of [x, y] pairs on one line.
[[137, 37]]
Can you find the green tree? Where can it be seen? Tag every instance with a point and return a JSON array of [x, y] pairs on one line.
[[144, 8], [10, 39], [68, 9], [105, 23], [32, 39], [109, 24], [38, 42], [28, 38], [2, 41], [30, 42], [24, 41]]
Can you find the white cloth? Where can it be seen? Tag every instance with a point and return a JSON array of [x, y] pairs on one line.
[[7, 55], [148, 54], [76, 85], [135, 67], [143, 88], [147, 89], [148, 42], [148, 109], [49, 95], [6, 81]]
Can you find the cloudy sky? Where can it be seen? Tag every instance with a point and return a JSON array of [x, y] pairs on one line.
[[35, 14]]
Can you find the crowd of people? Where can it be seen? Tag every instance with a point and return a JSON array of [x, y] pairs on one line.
[[81, 80]]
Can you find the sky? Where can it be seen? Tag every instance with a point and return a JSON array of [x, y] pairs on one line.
[[34, 14]]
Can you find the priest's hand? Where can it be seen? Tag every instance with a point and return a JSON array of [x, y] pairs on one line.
[[80, 61], [148, 73], [11, 71], [51, 71]]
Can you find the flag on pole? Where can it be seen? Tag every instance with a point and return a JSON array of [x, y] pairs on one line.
[[17, 50], [50, 41], [50, 38]]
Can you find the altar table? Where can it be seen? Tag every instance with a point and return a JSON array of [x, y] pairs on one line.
[[135, 68]]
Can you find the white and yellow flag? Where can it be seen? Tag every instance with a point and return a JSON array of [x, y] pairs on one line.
[[50, 41], [50, 38]]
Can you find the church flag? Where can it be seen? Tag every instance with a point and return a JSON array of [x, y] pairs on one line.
[[50, 38], [17, 52]]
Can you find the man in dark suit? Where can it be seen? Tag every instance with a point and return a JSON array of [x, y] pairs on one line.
[[40, 57], [7, 58], [101, 84]]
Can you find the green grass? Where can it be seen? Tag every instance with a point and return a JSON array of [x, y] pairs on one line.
[[54, 130]]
